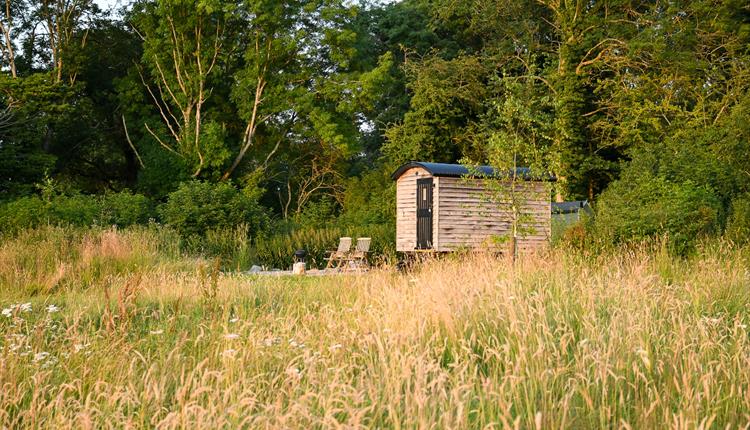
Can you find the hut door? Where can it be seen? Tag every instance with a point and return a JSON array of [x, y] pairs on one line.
[[424, 213]]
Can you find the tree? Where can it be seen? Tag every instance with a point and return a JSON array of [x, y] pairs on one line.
[[183, 46], [9, 28], [66, 23]]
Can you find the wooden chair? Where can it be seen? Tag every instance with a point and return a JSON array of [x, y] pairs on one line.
[[358, 258], [340, 254]]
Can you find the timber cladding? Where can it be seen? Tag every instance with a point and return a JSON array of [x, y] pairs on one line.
[[468, 212]]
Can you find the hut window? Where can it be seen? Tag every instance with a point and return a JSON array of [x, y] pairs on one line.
[[424, 193]]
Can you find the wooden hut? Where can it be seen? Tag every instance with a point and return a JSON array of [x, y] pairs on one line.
[[444, 207]]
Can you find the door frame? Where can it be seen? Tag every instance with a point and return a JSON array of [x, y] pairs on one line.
[[425, 239]]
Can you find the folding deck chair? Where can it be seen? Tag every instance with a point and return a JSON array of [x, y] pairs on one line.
[[358, 258], [340, 254]]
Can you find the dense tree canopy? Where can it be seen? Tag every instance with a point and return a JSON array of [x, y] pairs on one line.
[[296, 102]]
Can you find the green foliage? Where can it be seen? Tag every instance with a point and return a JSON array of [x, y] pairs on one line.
[[634, 209], [124, 209], [113, 209], [197, 207], [738, 223], [369, 199], [22, 213], [317, 214], [448, 97]]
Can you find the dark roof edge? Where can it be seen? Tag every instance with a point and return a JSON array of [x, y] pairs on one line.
[[459, 170]]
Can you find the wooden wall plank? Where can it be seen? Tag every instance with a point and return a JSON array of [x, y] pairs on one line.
[[468, 218]]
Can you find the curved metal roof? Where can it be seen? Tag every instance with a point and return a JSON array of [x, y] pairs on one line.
[[459, 170]]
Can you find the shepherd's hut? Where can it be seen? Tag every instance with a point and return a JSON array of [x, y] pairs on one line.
[[445, 207]]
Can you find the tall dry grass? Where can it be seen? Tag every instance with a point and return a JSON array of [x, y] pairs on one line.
[[633, 339]]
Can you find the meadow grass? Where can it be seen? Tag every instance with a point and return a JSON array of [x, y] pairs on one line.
[[113, 328]]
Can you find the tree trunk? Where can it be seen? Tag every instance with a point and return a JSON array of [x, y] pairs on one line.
[[6, 29]]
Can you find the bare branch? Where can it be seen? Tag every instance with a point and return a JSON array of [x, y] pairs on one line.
[[127, 136]]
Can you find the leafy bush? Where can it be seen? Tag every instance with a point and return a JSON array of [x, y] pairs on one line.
[[124, 209], [22, 213], [317, 214], [370, 199], [196, 208], [75, 209], [637, 208], [738, 224], [121, 209]]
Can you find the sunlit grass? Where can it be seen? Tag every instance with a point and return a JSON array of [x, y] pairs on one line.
[[632, 339]]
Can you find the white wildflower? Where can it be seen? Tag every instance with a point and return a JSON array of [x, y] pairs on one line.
[[52, 309], [229, 353], [8, 312], [292, 343], [156, 332], [80, 347], [386, 330], [40, 356], [335, 347], [293, 372], [231, 336], [25, 307], [233, 320], [49, 363]]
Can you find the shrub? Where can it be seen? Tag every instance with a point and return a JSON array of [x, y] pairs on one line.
[[75, 209], [370, 199], [738, 224], [124, 209], [22, 213], [634, 209], [121, 209], [198, 207]]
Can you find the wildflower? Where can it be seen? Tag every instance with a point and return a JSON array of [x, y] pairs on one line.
[[52, 309], [233, 320], [292, 343], [293, 372], [49, 363], [80, 346], [231, 336], [25, 307], [229, 353], [40, 356], [335, 347], [156, 332], [8, 312]]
